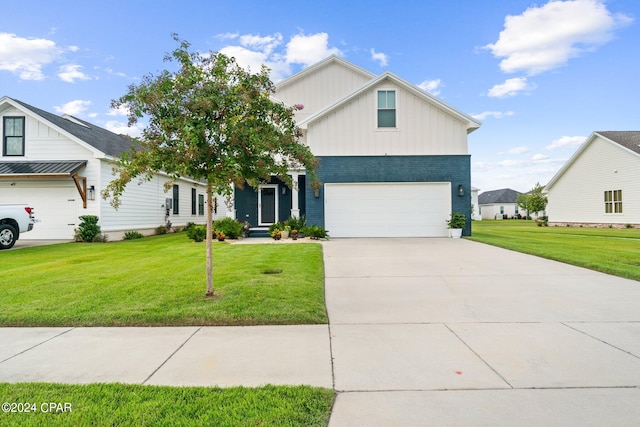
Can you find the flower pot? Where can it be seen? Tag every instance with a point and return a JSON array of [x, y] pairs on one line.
[[285, 234], [455, 233]]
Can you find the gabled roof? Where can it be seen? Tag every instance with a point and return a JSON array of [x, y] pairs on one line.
[[330, 59], [628, 140], [472, 124], [96, 137], [504, 195]]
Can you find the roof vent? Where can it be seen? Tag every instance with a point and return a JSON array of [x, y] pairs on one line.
[[74, 120]]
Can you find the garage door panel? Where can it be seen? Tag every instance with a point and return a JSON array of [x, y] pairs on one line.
[[55, 209], [387, 209]]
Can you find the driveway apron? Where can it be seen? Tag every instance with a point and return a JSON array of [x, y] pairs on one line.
[[451, 332]]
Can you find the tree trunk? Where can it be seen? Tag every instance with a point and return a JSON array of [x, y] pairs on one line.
[[209, 241]]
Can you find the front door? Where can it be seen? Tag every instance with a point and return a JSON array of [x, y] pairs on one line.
[[268, 204]]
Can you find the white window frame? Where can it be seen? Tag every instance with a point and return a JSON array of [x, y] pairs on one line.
[[375, 110]]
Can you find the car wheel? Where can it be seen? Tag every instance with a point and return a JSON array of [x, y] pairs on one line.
[[8, 236]]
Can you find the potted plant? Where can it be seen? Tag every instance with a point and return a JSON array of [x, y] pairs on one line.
[[276, 234], [286, 231], [294, 234], [456, 224]]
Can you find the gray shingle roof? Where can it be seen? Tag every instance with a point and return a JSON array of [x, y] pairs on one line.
[[629, 139], [103, 140], [42, 167], [505, 195]]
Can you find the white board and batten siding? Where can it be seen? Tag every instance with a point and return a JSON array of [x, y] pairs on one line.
[[401, 209], [321, 86], [578, 195], [421, 128]]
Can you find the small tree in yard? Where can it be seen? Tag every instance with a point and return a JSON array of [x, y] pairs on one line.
[[534, 200], [214, 121]]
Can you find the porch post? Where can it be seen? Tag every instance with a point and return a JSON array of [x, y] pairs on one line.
[[295, 210]]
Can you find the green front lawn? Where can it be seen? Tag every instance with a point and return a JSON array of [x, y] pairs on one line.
[[136, 405], [160, 281], [609, 250]]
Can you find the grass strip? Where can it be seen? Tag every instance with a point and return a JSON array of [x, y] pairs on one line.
[[137, 405]]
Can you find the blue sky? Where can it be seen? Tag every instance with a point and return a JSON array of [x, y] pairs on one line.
[[540, 75]]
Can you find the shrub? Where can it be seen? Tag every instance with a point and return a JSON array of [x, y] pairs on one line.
[[316, 232], [230, 227], [296, 223], [197, 233], [132, 234], [88, 229], [161, 229], [458, 220], [276, 226], [628, 225]]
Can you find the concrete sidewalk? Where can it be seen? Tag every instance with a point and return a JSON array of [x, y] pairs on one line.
[[443, 332]]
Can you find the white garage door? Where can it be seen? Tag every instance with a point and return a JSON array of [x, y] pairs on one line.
[[387, 209], [55, 208]]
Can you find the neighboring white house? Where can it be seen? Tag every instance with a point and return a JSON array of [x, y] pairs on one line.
[[60, 164], [394, 160], [499, 204], [600, 183]]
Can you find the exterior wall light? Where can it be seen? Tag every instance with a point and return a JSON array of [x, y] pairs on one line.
[[92, 193], [460, 190]]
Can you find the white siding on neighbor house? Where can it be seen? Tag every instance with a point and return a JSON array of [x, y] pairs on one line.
[[422, 128], [320, 88], [492, 211], [578, 195], [143, 206]]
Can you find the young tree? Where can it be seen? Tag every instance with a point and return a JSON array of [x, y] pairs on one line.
[[210, 120], [533, 201]]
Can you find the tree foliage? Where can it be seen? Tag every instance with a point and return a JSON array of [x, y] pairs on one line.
[[534, 200], [214, 121]]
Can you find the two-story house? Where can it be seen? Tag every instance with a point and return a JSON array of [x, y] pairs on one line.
[[394, 159]]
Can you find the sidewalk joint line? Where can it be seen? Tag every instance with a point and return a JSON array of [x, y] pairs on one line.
[[171, 355], [601, 340], [479, 357], [39, 344]]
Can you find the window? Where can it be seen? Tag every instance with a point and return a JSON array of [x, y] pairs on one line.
[[613, 201], [501, 210], [193, 201], [13, 138], [200, 204], [176, 199], [386, 108]]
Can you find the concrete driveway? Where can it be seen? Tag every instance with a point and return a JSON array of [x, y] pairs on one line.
[[453, 332]]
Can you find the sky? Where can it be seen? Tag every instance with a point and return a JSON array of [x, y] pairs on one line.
[[541, 76]]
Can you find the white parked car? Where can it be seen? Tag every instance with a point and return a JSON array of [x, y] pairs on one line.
[[14, 220]]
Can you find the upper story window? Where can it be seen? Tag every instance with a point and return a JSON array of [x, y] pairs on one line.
[[13, 136], [613, 201], [386, 108]]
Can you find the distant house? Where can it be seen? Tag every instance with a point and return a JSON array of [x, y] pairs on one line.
[[394, 160], [60, 164], [600, 183], [499, 204]]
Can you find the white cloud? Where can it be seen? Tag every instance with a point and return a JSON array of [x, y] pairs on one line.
[[538, 157], [510, 87], [71, 72], [546, 37], [252, 51], [518, 150], [73, 108], [308, 50], [431, 86], [494, 114], [26, 57], [121, 128], [380, 58], [566, 141]]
